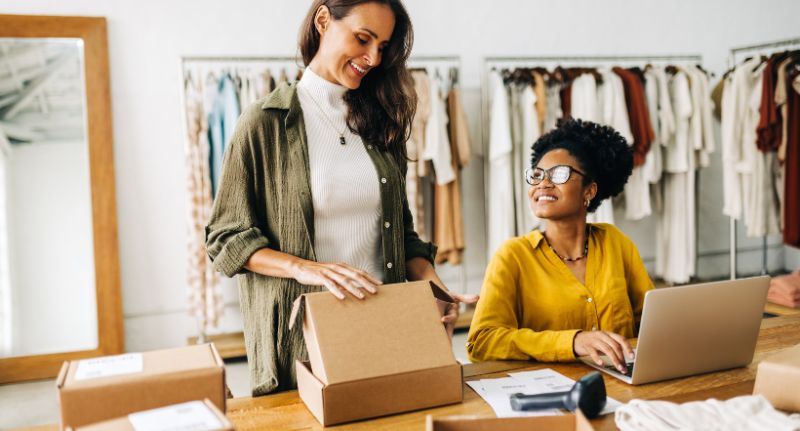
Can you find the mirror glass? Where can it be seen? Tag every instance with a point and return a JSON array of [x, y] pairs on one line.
[[47, 277]]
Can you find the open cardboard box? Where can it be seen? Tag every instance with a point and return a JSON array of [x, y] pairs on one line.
[[778, 378], [386, 354], [187, 416], [99, 389], [569, 422]]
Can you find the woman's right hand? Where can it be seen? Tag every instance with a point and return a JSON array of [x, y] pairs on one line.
[[336, 277], [597, 343]]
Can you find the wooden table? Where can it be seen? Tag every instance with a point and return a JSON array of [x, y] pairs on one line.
[[285, 411]]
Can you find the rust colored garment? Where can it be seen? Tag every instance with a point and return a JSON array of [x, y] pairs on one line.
[[448, 223], [539, 88], [791, 209], [566, 100], [768, 132], [641, 127]]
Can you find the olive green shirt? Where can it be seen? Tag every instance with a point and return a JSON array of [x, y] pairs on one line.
[[264, 201]]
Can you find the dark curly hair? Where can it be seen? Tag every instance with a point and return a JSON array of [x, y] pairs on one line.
[[602, 152]]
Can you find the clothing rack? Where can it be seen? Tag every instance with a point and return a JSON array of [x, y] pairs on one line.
[[428, 62], [733, 57], [510, 62]]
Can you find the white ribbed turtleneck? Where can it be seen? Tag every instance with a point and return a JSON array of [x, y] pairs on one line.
[[344, 183]]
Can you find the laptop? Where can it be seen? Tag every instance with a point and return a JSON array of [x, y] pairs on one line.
[[695, 329]]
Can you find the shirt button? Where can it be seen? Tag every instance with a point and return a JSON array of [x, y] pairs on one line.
[[369, 147], [387, 225], [383, 180], [594, 328], [589, 300], [389, 265]]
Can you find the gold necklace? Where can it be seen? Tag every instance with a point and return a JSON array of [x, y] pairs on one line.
[[325, 116]]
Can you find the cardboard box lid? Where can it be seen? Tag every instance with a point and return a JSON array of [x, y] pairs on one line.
[[157, 362], [397, 330]]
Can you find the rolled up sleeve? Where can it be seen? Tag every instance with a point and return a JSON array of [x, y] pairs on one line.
[[233, 232]]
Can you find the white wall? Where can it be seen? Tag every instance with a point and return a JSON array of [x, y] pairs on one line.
[[148, 38], [52, 254]]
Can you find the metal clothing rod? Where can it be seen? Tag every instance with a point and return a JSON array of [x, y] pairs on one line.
[[680, 57], [766, 45], [238, 58]]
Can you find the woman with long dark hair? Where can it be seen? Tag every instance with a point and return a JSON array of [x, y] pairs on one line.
[[312, 193]]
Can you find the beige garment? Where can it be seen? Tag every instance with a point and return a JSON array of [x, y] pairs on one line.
[[448, 225], [539, 88], [417, 168], [205, 295], [780, 102], [716, 97]]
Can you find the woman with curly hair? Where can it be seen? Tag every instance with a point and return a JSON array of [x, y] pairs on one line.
[[574, 288]]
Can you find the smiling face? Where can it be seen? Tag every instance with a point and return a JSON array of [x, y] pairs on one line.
[[560, 201], [350, 47]]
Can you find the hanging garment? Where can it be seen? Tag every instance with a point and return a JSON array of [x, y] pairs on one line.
[[791, 214], [666, 132], [584, 98], [641, 127], [437, 141], [737, 92], [501, 198], [526, 221], [448, 227], [615, 112], [770, 122], [222, 116], [653, 164], [761, 206], [417, 168], [517, 170], [205, 295], [780, 103], [266, 83], [554, 112], [540, 89], [675, 229], [248, 93]]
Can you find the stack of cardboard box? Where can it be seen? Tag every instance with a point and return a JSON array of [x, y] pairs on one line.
[[101, 389]]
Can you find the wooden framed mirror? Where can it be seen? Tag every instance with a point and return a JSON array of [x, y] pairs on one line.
[[59, 261]]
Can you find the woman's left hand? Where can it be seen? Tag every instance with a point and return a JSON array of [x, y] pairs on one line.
[[451, 312]]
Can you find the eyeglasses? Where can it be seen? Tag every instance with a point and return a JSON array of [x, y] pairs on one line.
[[559, 174]]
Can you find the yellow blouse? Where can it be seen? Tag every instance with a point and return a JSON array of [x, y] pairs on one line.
[[532, 305]]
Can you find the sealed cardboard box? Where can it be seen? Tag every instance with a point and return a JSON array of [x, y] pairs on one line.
[[778, 378], [386, 354], [192, 415], [570, 422], [99, 389]]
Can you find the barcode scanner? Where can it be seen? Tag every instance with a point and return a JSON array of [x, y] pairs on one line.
[[587, 394]]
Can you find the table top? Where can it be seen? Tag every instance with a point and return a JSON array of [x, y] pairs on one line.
[[285, 411]]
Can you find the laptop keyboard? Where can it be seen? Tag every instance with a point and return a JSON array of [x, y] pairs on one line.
[[611, 367]]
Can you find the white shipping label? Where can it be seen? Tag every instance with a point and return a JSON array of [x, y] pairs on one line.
[[191, 416], [109, 366]]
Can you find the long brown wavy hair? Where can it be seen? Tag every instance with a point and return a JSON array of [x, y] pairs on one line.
[[382, 107]]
